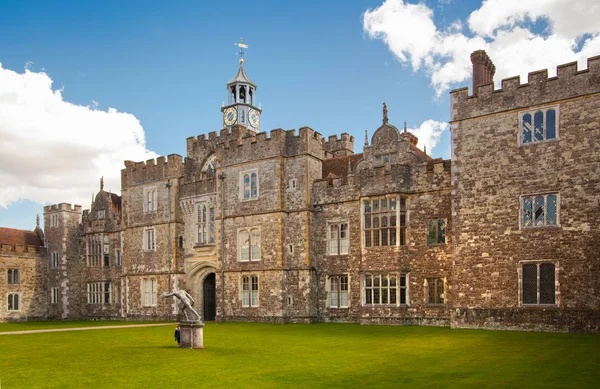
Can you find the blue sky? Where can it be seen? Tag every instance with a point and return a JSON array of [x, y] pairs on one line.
[[326, 65]]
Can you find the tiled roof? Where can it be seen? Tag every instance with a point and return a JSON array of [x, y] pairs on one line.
[[21, 237], [339, 166]]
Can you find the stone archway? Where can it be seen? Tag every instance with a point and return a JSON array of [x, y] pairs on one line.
[[201, 275]]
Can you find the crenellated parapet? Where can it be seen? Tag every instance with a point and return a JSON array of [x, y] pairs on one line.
[[539, 89], [339, 147], [151, 170], [62, 207], [21, 250], [240, 145]]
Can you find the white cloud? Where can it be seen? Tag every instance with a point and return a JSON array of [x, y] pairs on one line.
[[429, 134], [504, 28], [54, 151]]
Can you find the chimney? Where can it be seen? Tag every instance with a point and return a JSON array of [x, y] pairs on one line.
[[483, 69]]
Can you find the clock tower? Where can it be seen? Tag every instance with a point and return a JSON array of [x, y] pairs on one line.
[[241, 101]]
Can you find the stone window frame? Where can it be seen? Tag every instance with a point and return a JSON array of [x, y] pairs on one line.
[[437, 231], [149, 240], [209, 168], [94, 248], [401, 238], [54, 260], [254, 233], [99, 293], [54, 294], [532, 112], [436, 298], [206, 222], [10, 301], [149, 295], [338, 241], [533, 196], [13, 276], [401, 288], [150, 200], [539, 262], [252, 175], [118, 258], [250, 297], [105, 251], [292, 185], [54, 220], [334, 286]]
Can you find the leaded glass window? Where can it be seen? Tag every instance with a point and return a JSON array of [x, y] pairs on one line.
[[539, 210], [383, 289], [380, 223], [436, 232], [538, 125]]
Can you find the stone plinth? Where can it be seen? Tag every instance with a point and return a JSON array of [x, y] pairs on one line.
[[191, 334]]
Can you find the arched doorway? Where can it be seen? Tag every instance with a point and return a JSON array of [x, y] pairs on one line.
[[208, 293]]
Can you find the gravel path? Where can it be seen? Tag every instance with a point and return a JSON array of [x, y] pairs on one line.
[[84, 328]]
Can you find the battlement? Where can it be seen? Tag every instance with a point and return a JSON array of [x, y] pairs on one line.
[[21, 249], [540, 89], [62, 207], [438, 165], [240, 145], [151, 170], [339, 147]]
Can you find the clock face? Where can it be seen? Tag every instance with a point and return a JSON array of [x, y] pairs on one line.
[[229, 116], [254, 118]]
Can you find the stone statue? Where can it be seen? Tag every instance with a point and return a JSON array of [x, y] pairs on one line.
[[187, 302], [385, 113]]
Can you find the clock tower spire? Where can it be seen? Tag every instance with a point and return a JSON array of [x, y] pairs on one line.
[[241, 101]]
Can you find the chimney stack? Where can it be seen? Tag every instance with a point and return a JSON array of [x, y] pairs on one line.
[[483, 69]]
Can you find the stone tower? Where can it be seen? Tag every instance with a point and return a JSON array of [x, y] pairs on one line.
[[241, 101]]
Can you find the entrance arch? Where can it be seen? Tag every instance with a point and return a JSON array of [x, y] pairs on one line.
[[209, 303], [201, 279]]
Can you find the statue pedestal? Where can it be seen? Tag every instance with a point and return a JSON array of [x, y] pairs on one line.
[[191, 334]]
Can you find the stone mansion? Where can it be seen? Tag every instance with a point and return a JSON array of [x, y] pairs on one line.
[[295, 227]]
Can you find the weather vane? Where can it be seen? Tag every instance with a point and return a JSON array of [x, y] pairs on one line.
[[242, 46]]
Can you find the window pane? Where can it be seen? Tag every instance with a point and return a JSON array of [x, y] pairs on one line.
[[383, 205], [368, 221], [402, 296], [384, 237], [375, 206], [432, 232], [550, 124], [368, 281], [367, 238], [527, 212], [547, 294], [441, 231], [376, 238], [392, 236], [529, 284], [343, 231], [538, 126], [392, 295], [551, 210], [253, 184], [539, 210], [384, 296], [375, 221], [392, 204], [526, 128], [367, 207]]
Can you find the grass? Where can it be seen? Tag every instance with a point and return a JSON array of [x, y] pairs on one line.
[[252, 355]]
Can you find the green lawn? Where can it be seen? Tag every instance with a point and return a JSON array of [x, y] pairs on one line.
[[296, 355]]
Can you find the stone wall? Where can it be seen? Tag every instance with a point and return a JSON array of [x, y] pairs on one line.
[[31, 263], [491, 171]]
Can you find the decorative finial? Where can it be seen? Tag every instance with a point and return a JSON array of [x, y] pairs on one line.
[[92, 199], [102, 183], [37, 220], [349, 167], [366, 137], [242, 46], [385, 113], [405, 126], [425, 149], [222, 103]]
